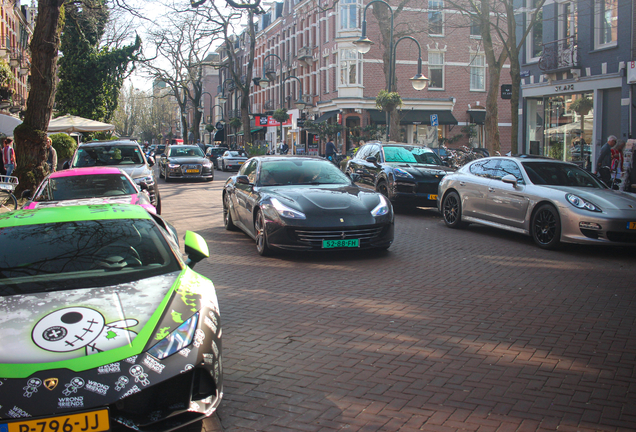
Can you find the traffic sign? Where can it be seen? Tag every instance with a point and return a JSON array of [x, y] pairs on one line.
[[434, 121], [219, 126]]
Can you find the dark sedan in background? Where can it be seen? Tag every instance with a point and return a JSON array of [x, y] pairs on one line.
[[407, 174], [304, 203], [213, 153], [185, 162]]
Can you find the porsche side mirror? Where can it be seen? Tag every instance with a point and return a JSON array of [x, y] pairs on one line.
[[151, 160], [243, 179], [372, 159], [510, 179], [195, 247], [354, 177]]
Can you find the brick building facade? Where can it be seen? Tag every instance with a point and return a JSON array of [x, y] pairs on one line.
[[314, 41]]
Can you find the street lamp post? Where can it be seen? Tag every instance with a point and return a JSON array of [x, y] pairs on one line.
[[363, 45], [264, 83]]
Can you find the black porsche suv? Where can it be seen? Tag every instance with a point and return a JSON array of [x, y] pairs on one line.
[[407, 174], [126, 155]]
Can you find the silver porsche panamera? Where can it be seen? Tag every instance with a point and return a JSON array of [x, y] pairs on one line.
[[552, 201]]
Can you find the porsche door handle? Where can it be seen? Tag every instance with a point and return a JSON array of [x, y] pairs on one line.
[[491, 189], [462, 183]]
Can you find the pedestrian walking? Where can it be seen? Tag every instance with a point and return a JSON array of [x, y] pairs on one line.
[[51, 155], [8, 156], [605, 160]]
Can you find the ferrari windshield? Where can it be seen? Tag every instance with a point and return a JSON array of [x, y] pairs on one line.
[[85, 186], [108, 155], [186, 151], [411, 154], [560, 174], [299, 172], [81, 254]]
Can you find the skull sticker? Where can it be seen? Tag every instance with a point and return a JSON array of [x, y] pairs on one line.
[[140, 376], [73, 328], [32, 387], [72, 387]]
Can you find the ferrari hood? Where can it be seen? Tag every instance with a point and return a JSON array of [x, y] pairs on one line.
[[62, 325], [316, 199]]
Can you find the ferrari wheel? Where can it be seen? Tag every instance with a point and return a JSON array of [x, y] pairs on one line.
[[452, 210], [228, 223], [260, 227], [546, 227]]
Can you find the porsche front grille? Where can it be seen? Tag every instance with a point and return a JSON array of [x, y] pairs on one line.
[[315, 237]]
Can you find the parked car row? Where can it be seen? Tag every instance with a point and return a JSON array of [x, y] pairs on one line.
[[552, 201]]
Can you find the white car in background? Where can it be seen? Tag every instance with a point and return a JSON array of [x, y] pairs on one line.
[[231, 160]]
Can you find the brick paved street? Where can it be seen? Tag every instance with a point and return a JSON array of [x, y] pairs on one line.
[[475, 330]]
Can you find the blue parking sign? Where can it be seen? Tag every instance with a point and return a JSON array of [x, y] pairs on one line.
[[434, 121]]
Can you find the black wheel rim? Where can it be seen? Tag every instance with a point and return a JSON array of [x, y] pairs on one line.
[[260, 232], [384, 191], [451, 209], [545, 226]]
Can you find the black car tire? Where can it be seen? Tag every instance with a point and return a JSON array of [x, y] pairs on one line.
[[166, 176], [545, 227], [222, 166], [228, 223], [452, 210], [261, 234], [160, 172], [383, 188], [157, 200]]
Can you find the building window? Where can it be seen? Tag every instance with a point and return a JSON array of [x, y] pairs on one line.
[[348, 14], [606, 23], [435, 17], [436, 70], [349, 67], [478, 72], [475, 28], [534, 41]]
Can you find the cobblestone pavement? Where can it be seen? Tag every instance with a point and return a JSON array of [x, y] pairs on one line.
[[474, 329]]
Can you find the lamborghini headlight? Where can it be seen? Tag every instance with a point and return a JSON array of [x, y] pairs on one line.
[[180, 338]]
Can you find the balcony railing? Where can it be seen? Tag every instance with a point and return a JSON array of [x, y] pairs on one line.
[[305, 54], [559, 55]]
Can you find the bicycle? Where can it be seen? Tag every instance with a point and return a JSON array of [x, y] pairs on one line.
[[8, 201]]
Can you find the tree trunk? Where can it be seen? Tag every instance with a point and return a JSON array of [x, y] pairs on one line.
[[29, 137], [492, 112]]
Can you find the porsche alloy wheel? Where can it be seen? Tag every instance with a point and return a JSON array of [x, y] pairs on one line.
[[383, 189], [452, 210], [546, 227], [260, 227], [227, 216]]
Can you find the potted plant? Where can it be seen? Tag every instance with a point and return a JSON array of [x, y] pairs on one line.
[[280, 115], [388, 101], [235, 122]]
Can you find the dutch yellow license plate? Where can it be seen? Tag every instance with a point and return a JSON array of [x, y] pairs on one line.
[[191, 171], [432, 197], [93, 421], [631, 225], [241, 163]]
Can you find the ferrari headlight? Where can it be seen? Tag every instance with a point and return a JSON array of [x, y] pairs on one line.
[[285, 211], [180, 338], [399, 172], [382, 208], [580, 203]]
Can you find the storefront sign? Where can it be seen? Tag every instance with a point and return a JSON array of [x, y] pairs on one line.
[[631, 73], [506, 91], [564, 88], [270, 121]]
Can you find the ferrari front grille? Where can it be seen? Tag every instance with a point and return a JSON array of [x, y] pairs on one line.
[[316, 237]]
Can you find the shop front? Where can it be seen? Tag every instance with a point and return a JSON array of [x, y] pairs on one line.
[[561, 127]]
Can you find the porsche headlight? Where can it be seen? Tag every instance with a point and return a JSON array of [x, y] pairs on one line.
[[382, 208], [180, 338], [285, 211], [579, 202], [399, 172]]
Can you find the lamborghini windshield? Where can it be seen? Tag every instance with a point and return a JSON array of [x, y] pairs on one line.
[[81, 254]]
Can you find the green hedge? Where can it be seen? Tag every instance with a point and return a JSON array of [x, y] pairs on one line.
[[64, 145]]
